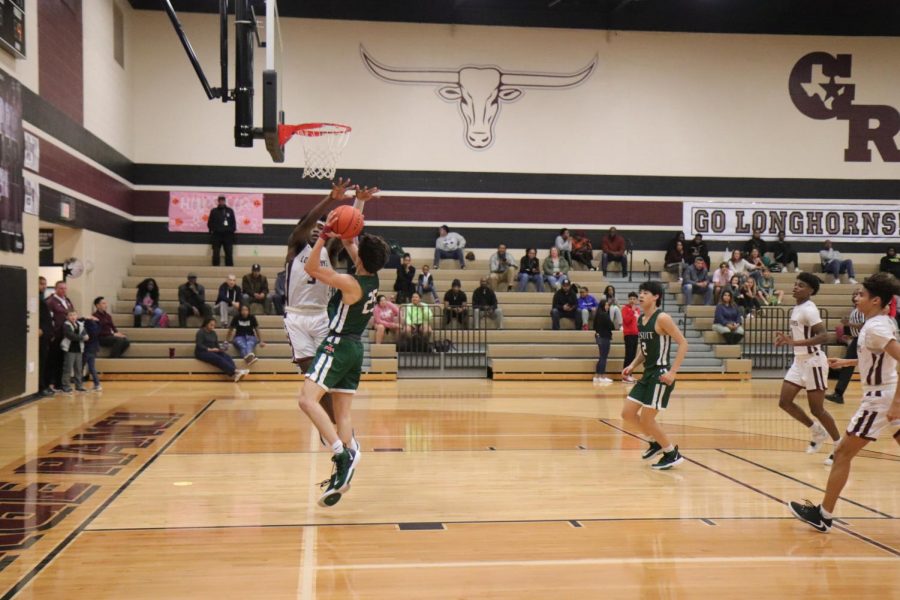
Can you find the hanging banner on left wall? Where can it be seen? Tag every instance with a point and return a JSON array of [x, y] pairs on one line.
[[189, 211], [12, 158]]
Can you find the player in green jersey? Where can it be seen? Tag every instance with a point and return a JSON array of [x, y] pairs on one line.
[[337, 364], [651, 394]]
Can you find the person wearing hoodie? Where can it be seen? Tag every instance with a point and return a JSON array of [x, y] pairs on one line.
[[449, 244]]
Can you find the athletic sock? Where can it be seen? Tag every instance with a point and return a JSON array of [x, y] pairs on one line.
[[337, 447], [825, 514], [648, 438], [669, 448]]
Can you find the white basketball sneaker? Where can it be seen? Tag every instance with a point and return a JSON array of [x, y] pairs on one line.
[[819, 435]]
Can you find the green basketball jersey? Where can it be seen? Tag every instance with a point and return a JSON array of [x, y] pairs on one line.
[[352, 319], [654, 346]]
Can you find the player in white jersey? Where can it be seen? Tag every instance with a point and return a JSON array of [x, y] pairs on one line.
[[306, 315], [879, 353], [809, 370]]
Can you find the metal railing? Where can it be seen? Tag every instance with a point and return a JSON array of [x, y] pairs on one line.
[[758, 343], [432, 337]]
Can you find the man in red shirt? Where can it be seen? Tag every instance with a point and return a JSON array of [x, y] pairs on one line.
[[613, 246], [110, 336], [631, 312]]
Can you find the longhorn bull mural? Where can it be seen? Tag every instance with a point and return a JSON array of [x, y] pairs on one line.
[[477, 90]]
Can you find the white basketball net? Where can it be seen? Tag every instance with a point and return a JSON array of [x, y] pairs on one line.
[[322, 147]]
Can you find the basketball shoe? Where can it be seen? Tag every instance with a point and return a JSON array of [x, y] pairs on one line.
[[811, 514], [668, 460], [819, 435], [652, 450], [341, 475]]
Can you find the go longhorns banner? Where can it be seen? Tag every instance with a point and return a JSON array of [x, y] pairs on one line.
[[731, 220], [189, 211]]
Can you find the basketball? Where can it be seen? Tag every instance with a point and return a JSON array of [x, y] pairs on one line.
[[347, 223]]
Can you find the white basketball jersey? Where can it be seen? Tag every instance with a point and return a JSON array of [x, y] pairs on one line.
[[877, 369], [303, 290], [803, 318]]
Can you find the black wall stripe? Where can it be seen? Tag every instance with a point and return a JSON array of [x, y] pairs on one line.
[[87, 216]]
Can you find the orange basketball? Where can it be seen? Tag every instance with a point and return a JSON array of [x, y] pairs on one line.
[[348, 222]]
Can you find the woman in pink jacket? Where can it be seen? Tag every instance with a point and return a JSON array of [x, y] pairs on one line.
[[387, 318]]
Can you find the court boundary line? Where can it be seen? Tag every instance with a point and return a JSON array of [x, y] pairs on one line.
[[44, 562]]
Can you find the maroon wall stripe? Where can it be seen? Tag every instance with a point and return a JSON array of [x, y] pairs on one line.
[[60, 56], [462, 210], [65, 169]]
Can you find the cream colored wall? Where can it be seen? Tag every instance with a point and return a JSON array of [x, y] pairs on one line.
[[658, 103], [107, 260]]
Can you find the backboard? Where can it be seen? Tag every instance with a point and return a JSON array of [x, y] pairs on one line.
[[273, 114]]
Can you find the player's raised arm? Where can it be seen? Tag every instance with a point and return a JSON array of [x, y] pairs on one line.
[[303, 230], [667, 326], [346, 283], [363, 195]]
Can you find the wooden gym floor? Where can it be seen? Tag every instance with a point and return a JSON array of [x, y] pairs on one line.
[[465, 489]]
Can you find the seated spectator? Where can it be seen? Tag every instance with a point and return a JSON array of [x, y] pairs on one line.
[[556, 269], [834, 264], [760, 261], [734, 286], [455, 301], [890, 262], [767, 293], [743, 268], [563, 243], [484, 303], [587, 304], [613, 246], [91, 349], [426, 284], [147, 302], [721, 278], [565, 305], [449, 245], [72, 345], [192, 300], [612, 306], [697, 281], [228, 301], [255, 288], [747, 297], [404, 282], [755, 243], [416, 317], [679, 237], [603, 329], [697, 247], [502, 270], [207, 349], [675, 260], [785, 254], [110, 336], [279, 296], [583, 251], [728, 319], [386, 318], [530, 271], [244, 334]]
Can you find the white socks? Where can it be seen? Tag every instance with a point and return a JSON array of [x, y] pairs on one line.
[[337, 447], [668, 448], [825, 514]]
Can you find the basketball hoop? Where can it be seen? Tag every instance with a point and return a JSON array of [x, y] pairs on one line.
[[322, 146]]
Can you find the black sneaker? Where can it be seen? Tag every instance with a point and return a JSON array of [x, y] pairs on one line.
[[836, 398], [668, 460], [340, 478], [652, 450], [811, 514]]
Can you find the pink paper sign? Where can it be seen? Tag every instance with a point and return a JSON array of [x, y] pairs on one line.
[[188, 211]]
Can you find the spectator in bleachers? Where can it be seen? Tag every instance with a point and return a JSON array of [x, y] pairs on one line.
[[747, 299], [630, 315], [279, 296], [484, 303], [697, 247], [890, 262], [426, 284], [192, 300], [255, 288], [59, 305], [110, 336], [734, 286], [502, 270], [455, 301], [565, 305], [743, 268], [386, 317], [615, 313], [613, 247], [697, 281], [563, 243], [91, 349], [720, 279], [530, 270], [207, 349], [449, 244], [243, 332], [147, 302], [760, 261], [583, 251], [767, 292], [416, 317], [556, 269], [587, 304], [728, 319], [785, 254], [679, 237], [834, 264], [404, 284], [72, 346], [222, 224], [228, 301], [674, 260], [603, 329], [755, 242]]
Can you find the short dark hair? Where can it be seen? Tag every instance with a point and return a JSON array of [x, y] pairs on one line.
[[810, 280], [221, 198], [207, 321], [655, 288], [373, 252], [563, 230], [632, 294], [406, 255], [379, 297], [98, 300], [455, 283], [882, 285]]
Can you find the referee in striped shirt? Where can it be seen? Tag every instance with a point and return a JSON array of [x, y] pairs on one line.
[[851, 328]]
